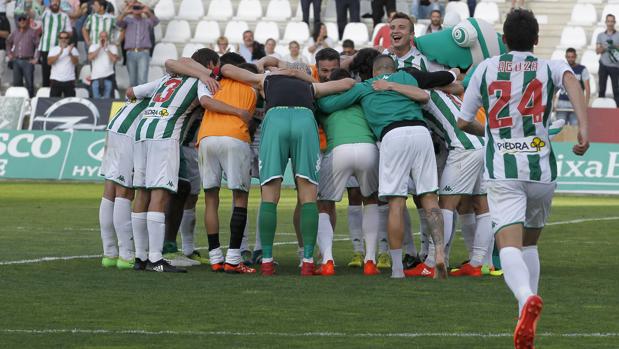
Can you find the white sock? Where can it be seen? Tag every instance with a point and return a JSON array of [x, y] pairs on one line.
[[516, 274], [488, 256], [258, 245], [468, 223], [140, 235], [370, 231], [448, 220], [425, 237], [483, 238], [531, 258], [106, 222], [155, 221], [324, 240], [383, 242], [430, 260], [233, 256], [188, 227], [397, 268], [355, 226], [216, 256], [124, 229], [409, 241]]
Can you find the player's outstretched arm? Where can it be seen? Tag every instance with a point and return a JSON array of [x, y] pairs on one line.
[[214, 105], [235, 73], [427, 80], [189, 67], [333, 103], [410, 91], [322, 89], [577, 98]]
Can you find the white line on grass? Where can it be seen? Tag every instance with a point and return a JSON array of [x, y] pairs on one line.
[[64, 258], [298, 334]]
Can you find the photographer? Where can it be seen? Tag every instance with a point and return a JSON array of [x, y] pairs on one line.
[[607, 42], [102, 55], [138, 21], [62, 59]]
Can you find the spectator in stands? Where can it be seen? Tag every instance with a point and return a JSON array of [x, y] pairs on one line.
[[608, 46], [436, 22], [319, 39], [63, 59], [269, 48], [562, 106], [517, 4], [383, 36], [378, 12], [342, 9], [422, 9], [295, 55], [348, 48], [138, 21], [250, 49], [53, 22], [223, 46], [98, 21], [5, 31], [22, 52], [305, 5], [102, 55]]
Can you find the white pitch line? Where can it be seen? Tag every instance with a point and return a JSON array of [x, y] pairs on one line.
[[51, 259], [300, 334]]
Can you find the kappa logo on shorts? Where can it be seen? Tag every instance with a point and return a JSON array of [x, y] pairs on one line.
[[121, 178], [171, 184], [494, 224], [448, 188]]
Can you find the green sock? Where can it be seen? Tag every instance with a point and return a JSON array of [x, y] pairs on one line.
[[169, 247], [309, 228], [267, 222]]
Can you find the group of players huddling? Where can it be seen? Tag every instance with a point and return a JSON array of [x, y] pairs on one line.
[[211, 117]]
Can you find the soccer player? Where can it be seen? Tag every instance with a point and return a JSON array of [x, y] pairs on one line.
[[406, 148], [516, 91], [289, 99], [156, 158]]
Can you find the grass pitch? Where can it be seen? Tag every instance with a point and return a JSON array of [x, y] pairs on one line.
[[75, 303]]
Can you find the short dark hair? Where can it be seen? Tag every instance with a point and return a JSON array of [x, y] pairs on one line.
[[361, 64], [248, 66], [205, 56], [610, 15], [327, 54], [339, 74], [437, 11], [348, 43], [383, 62], [231, 58], [402, 15], [570, 49], [520, 30]]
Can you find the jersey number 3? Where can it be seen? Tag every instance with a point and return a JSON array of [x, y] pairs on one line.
[[170, 87], [530, 105]]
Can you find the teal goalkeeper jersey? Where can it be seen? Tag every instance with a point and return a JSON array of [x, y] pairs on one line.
[[346, 126]]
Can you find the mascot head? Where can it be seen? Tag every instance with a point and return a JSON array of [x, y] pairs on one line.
[[464, 45]]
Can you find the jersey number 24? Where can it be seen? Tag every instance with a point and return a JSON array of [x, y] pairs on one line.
[[530, 105]]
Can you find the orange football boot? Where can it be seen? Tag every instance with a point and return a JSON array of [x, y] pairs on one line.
[[524, 334]]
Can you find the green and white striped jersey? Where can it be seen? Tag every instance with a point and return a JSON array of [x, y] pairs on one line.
[[516, 90], [415, 59], [125, 120], [165, 117], [52, 24], [442, 113], [97, 23]]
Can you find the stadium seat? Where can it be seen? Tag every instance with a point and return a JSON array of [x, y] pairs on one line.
[[593, 85], [158, 33], [609, 9], [451, 19], [459, 7], [177, 31], [603, 103], [82, 92], [594, 36], [282, 50], [165, 10], [278, 10], [591, 1], [375, 31], [330, 14], [155, 72], [234, 31], [332, 31], [162, 52], [308, 55], [357, 32], [591, 60], [190, 48], [299, 15], [488, 11], [207, 32], [249, 10], [116, 94], [297, 31], [191, 10], [583, 14], [84, 76], [220, 10], [43, 92], [558, 54], [420, 29], [573, 37], [266, 30], [609, 89], [122, 77]]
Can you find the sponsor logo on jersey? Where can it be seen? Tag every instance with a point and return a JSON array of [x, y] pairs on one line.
[[532, 144], [156, 113]]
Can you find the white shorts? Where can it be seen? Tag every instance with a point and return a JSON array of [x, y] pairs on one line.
[[156, 163], [188, 169], [407, 153], [117, 164], [463, 173], [519, 202], [228, 155], [352, 182], [255, 152], [359, 160]]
